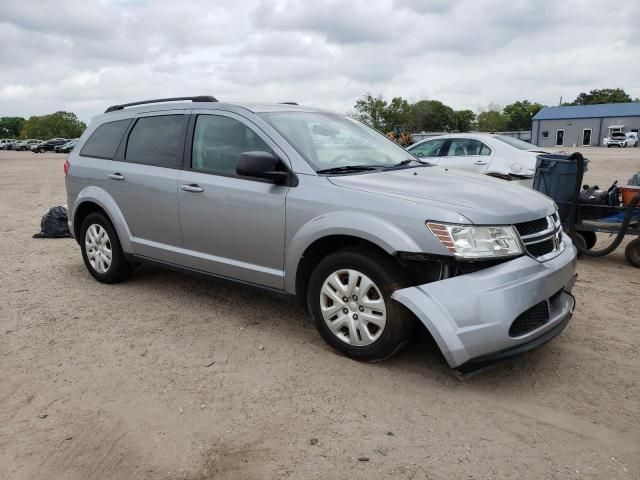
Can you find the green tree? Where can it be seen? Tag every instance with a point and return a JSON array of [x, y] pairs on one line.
[[464, 120], [519, 114], [603, 95], [397, 114], [492, 121], [371, 110], [59, 124], [432, 116], [11, 126]]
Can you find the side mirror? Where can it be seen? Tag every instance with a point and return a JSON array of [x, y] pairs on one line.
[[261, 165]]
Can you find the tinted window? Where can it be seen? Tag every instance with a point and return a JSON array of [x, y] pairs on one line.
[[429, 148], [461, 147], [104, 141], [218, 141], [157, 141], [545, 134]]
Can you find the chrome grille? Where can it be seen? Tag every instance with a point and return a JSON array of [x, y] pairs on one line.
[[542, 238]]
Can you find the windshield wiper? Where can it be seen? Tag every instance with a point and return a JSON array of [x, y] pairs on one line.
[[348, 168], [408, 161]]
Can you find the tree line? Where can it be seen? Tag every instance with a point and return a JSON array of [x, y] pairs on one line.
[[58, 124], [435, 116]]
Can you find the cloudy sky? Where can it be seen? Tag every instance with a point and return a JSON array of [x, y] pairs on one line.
[[84, 55]]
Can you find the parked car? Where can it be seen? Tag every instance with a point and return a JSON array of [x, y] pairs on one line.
[[499, 156], [48, 145], [622, 139], [6, 142], [315, 205], [66, 147], [632, 139], [25, 144]]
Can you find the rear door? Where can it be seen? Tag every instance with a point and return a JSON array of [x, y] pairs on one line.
[[143, 181], [466, 154], [232, 225]]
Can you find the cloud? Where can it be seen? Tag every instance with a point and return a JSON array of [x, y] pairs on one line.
[[83, 55]]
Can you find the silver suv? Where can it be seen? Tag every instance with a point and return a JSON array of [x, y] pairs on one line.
[[318, 206]]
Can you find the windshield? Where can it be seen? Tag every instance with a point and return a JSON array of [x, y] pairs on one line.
[[328, 140], [514, 142]]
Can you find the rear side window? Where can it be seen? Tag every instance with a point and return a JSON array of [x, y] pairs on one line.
[[104, 141], [157, 141]]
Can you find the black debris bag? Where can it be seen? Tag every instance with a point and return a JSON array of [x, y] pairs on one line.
[[54, 224]]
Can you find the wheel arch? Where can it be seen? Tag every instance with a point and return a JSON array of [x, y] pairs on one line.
[[326, 234], [94, 199]]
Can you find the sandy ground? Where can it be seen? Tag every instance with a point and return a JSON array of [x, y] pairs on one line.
[[172, 377]]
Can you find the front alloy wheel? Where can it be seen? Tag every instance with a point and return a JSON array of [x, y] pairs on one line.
[[353, 307], [349, 297]]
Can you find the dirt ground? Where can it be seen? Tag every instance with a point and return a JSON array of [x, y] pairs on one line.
[[172, 377]]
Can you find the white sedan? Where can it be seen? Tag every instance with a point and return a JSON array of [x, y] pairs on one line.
[[491, 154]]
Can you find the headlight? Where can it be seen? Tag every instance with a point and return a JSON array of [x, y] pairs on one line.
[[470, 241]]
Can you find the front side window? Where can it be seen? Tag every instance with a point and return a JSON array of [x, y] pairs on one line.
[[218, 142], [328, 140], [104, 141], [430, 148], [157, 141]]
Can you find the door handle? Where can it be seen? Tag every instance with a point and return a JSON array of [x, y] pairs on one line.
[[192, 187], [479, 162], [116, 176]]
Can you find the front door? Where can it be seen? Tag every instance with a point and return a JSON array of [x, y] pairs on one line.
[[586, 137], [559, 138], [232, 226]]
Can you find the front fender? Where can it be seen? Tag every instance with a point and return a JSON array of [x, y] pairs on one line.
[[380, 232], [105, 201]]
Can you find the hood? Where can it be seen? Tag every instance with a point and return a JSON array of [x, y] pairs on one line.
[[479, 198]]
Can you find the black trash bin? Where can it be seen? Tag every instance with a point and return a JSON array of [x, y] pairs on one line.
[[556, 176]]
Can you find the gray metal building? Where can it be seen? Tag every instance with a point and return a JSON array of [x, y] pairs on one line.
[[583, 125]]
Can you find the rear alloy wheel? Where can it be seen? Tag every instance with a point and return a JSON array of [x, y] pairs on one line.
[[101, 250], [349, 298]]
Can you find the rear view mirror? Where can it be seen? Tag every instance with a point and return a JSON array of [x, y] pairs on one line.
[[261, 165]]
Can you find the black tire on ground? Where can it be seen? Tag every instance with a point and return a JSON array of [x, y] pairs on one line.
[[120, 269], [388, 276], [590, 238], [580, 242], [632, 252]]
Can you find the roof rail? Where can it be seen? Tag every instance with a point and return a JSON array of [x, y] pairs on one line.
[[200, 98], [288, 103]]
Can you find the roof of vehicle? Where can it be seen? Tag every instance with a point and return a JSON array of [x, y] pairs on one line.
[[630, 109], [183, 103]]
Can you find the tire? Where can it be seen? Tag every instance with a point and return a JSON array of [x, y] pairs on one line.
[[632, 252], [118, 269], [580, 243], [359, 338], [590, 239]]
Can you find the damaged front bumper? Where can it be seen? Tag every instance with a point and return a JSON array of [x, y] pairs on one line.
[[471, 317]]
